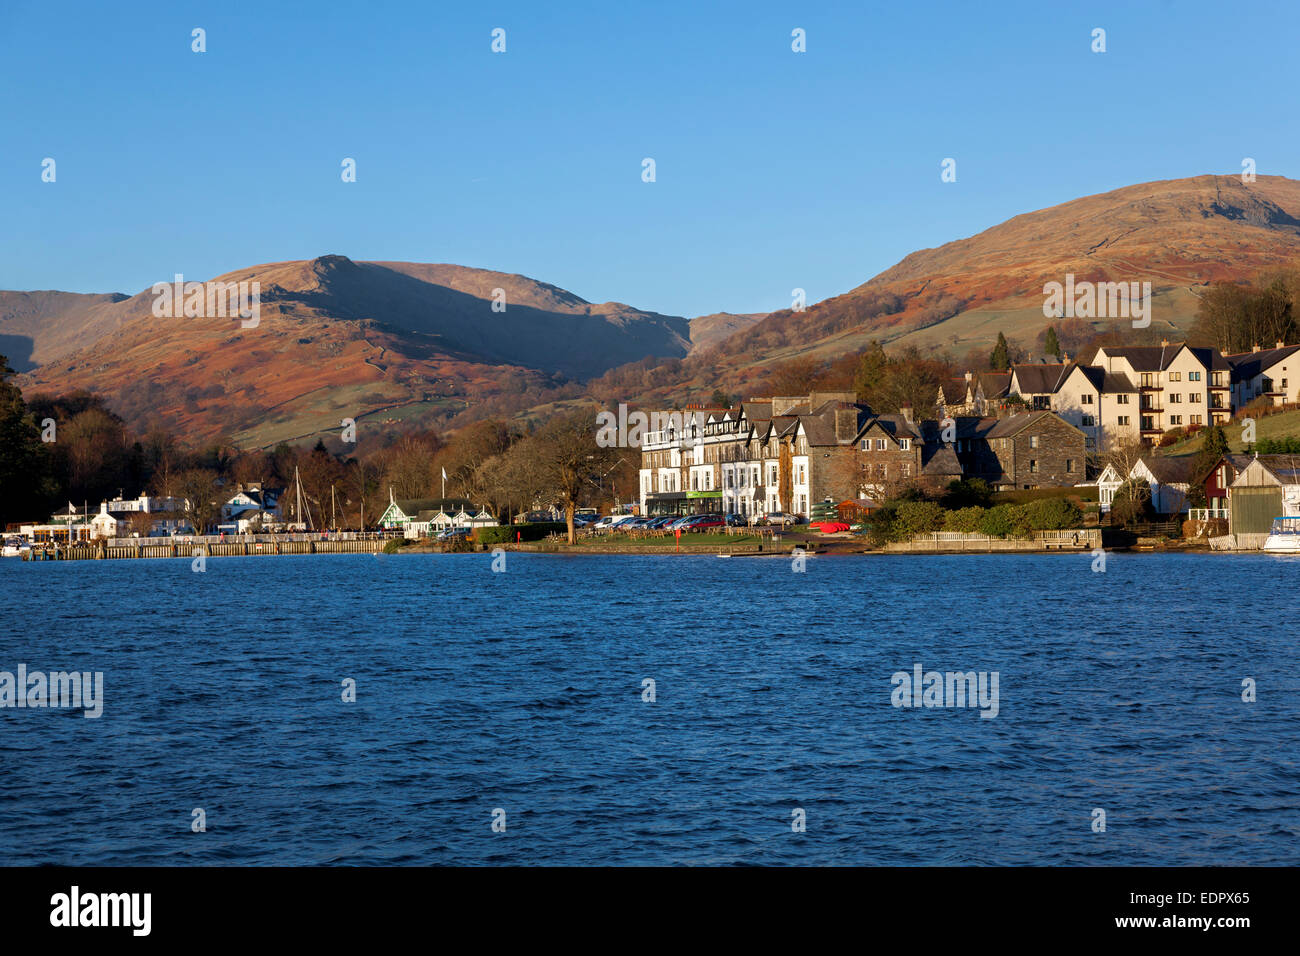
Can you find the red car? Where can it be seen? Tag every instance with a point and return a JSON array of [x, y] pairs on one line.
[[707, 521]]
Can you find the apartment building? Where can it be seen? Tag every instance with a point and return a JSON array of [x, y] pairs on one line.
[[1271, 373], [1178, 386], [1133, 392]]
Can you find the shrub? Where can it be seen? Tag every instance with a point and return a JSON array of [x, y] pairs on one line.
[[963, 519], [967, 493], [916, 517], [393, 545], [1005, 521], [1052, 514], [1282, 445]]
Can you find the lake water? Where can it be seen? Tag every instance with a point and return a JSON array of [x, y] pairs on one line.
[[523, 691]]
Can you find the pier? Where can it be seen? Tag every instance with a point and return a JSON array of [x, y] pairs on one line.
[[212, 546]]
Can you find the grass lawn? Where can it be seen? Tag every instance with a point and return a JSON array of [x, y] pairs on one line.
[[1271, 426], [669, 541]]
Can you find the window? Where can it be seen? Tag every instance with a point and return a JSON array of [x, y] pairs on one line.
[[1122, 420], [906, 443], [1033, 441], [1175, 398], [880, 444], [1121, 399], [1033, 465], [1196, 419], [1193, 376], [1087, 399], [866, 444], [1175, 376], [1146, 380], [1069, 466], [1088, 421], [1175, 419]]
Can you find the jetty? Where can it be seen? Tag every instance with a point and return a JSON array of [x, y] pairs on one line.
[[212, 546]]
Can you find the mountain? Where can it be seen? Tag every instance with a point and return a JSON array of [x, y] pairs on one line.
[[707, 330], [388, 343], [1177, 234], [36, 327], [336, 338]]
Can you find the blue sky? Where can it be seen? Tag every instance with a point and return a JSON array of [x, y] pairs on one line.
[[775, 169]]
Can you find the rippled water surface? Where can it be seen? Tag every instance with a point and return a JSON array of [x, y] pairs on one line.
[[523, 691]]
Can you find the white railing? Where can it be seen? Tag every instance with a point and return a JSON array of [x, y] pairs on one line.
[[1207, 514]]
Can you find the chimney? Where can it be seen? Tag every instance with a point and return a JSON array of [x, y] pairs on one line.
[[1280, 344], [968, 376], [1255, 347], [1065, 357], [1164, 343], [907, 413], [846, 424]]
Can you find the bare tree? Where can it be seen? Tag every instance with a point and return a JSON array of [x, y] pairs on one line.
[[567, 454], [198, 488]]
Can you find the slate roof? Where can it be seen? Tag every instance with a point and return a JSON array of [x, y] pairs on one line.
[[1115, 382], [954, 390], [896, 425], [940, 460], [1013, 424], [1246, 365], [1169, 470], [1038, 379], [996, 384], [1286, 468]]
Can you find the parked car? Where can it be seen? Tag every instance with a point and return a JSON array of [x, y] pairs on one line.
[[779, 518], [702, 522], [661, 522], [451, 534], [736, 521]]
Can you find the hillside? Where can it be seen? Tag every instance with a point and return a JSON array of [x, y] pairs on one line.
[[1178, 234], [38, 327], [707, 330], [387, 341]]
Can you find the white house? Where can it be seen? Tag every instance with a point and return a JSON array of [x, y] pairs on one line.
[[1169, 478]]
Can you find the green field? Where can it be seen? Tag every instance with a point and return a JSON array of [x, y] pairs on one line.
[[669, 541], [1271, 426]]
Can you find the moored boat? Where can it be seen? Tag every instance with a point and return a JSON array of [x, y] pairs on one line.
[[14, 547], [1285, 536]]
